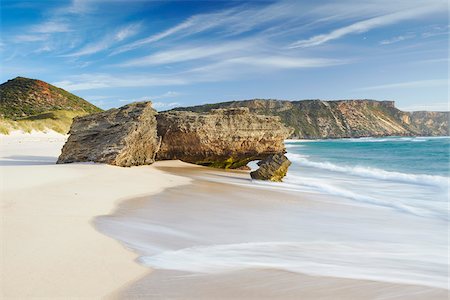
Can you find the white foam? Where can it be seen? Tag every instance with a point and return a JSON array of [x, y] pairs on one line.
[[371, 261], [374, 173]]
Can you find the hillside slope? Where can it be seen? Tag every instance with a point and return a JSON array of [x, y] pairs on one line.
[[342, 118], [23, 97], [29, 104]]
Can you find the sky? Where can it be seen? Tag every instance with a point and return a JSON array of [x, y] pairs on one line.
[[181, 53]]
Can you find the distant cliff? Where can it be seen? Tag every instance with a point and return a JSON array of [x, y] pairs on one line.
[[342, 118]]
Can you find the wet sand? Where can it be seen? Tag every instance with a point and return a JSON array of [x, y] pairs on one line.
[[216, 199]]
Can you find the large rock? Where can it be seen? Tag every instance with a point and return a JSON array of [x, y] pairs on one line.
[[124, 137], [223, 138], [273, 168]]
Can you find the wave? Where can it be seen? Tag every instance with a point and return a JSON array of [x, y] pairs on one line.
[[374, 173], [433, 209], [386, 262]]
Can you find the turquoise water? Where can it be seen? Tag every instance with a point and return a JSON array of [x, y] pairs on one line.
[[382, 215], [419, 155], [405, 173]]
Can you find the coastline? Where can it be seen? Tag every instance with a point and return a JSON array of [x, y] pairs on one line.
[[56, 244], [49, 247], [219, 197]]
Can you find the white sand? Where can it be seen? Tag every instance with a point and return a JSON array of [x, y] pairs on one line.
[[49, 247]]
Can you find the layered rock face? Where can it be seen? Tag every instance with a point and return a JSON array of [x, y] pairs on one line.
[[136, 135], [273, 168], [224, 138], [124, 137], [342, 118], [431, 122]]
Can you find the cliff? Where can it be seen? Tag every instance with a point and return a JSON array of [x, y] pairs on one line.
[[136, 135], [342, 118], [124, 137], [225, 138]]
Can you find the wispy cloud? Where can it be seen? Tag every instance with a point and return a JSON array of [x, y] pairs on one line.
[[26, 38], [190, 53], [51, 27], [409, 84], [364, 26], [164, 105], [107, 41], [101, 81], [228, 22], [399, 38]]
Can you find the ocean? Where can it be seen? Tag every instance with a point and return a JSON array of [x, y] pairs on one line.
[[366, 209], [410, 174]]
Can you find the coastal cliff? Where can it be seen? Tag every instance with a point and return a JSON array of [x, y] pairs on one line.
[[224, 138], [136, 135], [342, 118]]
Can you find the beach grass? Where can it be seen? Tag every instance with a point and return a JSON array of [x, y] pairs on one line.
[[59, 121]]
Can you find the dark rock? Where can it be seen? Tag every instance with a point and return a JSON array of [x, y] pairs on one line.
[[273, 168]]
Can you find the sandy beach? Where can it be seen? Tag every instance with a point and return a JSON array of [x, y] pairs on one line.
[[49, 247], [77, 231]]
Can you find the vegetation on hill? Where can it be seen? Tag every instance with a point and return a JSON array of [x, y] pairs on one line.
[[58, 121], [23, 97], [341, 118]]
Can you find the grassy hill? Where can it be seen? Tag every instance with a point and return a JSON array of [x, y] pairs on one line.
[[30, 104]]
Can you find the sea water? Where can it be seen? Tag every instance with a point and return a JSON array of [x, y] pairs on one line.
[[410, 174], [367, 209]]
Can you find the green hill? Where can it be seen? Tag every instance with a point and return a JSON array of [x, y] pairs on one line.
[[23, 97], [30, 104]]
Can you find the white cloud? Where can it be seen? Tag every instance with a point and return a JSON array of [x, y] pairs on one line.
[[51, 27], [25, 38], [105, 43], [153, 38], [165, 105], [127, 32], [408, 84], [366, 25], [100, 81], [397, 39], [284, 62], [191, 53]]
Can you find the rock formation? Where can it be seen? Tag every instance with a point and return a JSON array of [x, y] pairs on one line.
[[135, 135], [273, 168], [430, 122], [223, 138], [314, 119], [124, 137]]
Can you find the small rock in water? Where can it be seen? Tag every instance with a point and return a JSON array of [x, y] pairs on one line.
[[273, 168]]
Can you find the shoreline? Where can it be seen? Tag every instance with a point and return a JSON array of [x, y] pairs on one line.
[[246, 283], [49, 246], [54, 247]]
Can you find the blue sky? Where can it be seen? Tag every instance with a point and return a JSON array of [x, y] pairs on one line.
[[112, 52]]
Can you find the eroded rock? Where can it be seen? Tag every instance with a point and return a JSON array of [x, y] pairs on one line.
[[124, 137], [273, 168], [223, 138]]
